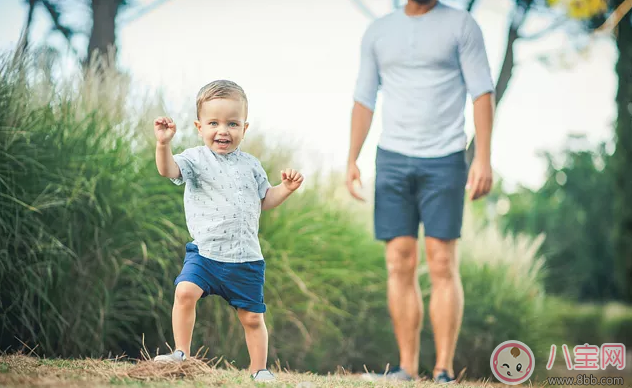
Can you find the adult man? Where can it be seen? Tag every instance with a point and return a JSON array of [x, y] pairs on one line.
[[425, 58]]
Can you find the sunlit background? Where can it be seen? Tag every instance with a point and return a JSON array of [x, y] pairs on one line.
[[298, 61], [91, 237]]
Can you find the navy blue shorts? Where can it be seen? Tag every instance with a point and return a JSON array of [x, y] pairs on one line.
[[411, 191], [240, 284]]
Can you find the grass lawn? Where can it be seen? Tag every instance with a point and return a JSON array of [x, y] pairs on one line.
[[29, 371]]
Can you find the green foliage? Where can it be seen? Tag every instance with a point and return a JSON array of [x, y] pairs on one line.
[[92, 238], [592, 323], [84, 240], [574, 209], [622, 159]]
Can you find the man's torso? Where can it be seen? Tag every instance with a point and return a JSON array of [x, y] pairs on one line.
[[423, 89]]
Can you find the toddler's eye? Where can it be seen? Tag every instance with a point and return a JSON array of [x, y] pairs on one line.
[[213, 123], [233, 125]]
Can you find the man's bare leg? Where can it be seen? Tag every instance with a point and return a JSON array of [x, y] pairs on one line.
[[446, 300], [404, 300]]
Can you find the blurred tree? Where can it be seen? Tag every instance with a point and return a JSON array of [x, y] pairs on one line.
[[574, 209], [104, 14], [103, 33], [587, 14], [622, 159]]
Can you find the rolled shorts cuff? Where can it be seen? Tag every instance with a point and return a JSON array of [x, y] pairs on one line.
[[195, 279], [253, 307]]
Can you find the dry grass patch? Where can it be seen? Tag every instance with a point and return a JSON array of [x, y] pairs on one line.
[[19, 370]]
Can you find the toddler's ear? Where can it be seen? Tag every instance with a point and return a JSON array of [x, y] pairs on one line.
[[198, 125], [246, 125]]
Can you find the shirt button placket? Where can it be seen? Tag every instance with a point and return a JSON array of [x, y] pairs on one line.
[[235, 176]]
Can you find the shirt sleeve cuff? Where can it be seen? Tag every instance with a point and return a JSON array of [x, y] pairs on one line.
[[185, 170], [263, 189], [482, 89], [366, 102]]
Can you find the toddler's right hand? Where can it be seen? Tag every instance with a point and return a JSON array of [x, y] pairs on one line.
[[164, 129]]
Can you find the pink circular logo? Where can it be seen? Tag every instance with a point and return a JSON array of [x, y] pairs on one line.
[[512, 362]]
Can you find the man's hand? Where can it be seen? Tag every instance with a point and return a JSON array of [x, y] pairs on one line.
[[292, 179], [479, 181], [164, 129], [353, 174]]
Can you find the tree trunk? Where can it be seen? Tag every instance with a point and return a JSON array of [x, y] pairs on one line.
[[506, 70], [24, 39], [103, 35], [622, 160]]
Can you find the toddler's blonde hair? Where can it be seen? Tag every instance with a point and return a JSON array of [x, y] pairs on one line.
[[221, 89]]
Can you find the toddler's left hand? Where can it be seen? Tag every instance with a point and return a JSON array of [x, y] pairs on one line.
[[292, 179]]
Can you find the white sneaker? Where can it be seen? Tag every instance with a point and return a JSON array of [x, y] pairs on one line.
[[263, 375], [177, 356]]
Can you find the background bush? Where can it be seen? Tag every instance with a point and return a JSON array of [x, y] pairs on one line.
[[92, 238], [593, 323]]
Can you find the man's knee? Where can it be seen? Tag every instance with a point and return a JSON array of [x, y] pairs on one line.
[[401, 257], [442, 261]]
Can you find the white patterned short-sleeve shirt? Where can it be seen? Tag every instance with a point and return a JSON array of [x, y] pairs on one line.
[[222, 202]]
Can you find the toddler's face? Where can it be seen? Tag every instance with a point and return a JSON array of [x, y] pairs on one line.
[[222, 124]]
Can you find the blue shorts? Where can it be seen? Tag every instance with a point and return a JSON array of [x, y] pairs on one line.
[[411, 191], [240, 284]]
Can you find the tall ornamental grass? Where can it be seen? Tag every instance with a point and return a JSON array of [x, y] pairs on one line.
[[91, 238], [85, 247]]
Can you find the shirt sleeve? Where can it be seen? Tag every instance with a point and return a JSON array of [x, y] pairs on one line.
[[187, 162], [473, 59], [368, 81], [262, 180]]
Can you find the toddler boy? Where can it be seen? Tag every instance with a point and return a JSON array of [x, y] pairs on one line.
[[226, 190]]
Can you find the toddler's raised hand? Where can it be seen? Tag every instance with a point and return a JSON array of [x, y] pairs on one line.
[[292, 179], [164, 129]]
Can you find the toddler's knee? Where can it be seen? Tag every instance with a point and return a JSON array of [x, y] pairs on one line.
[[251, 320], [186, 296]]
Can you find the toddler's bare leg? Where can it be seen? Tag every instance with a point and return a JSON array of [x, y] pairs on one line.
[[256, 338], [183, 315]]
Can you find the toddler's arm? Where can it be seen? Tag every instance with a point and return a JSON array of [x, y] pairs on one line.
[[275, 196], [165, 129]]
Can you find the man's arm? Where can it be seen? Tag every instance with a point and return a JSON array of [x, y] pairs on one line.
[[365, 96], [483, 124], [167, 166], [480, 178], [479, 84], [361, 118]]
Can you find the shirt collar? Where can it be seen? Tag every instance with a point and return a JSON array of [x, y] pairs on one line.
[[232, 156]]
